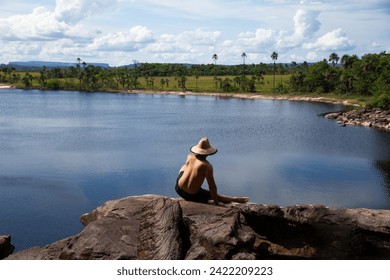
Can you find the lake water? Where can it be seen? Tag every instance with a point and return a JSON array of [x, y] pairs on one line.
[[62, 154]]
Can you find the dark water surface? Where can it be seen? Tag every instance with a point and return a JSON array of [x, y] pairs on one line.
[[63, 154]]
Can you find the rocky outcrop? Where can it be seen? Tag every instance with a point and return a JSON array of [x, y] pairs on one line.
[[156, 227], [368, 117], [162, 231], [6, 248]]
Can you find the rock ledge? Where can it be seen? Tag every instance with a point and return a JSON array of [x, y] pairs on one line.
[[157, 227], [368, 117]]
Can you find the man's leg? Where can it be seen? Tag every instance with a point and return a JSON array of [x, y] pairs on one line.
[[227, 199]]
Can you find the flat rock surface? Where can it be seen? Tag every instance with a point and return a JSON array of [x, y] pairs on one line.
[[158, 227]]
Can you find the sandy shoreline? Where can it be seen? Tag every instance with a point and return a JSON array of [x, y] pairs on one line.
[[249, 96], [2, 86]]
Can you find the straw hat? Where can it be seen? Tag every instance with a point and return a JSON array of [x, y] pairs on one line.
[[204, 148]]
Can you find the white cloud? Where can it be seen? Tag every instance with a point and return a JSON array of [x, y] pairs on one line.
[[72, 11], [228, 43], [41, 24], [154, 31], [263, 40], [130, 40], [44, 24], [194, 41], [253, 41], [196, 9], [312, 56], [335, 40], [306, 23], [305, 26], [62, 48], [14, 51], [199, 37]]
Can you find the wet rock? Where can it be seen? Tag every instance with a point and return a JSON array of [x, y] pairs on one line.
[[367, 117], [333, 116]]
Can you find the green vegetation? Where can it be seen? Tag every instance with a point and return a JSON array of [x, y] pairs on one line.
[[365, 79]]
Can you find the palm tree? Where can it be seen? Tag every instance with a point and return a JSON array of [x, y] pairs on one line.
[[78, 64], [43, 76], [274, 57], [347, 61], [162, 82], [196, 79], [334, 58], [215, 58], [243, 55]]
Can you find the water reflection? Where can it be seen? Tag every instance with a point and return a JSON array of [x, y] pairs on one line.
[[65, 153], [384, 167]]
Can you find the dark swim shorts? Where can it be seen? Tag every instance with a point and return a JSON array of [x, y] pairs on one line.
[[203, 196]]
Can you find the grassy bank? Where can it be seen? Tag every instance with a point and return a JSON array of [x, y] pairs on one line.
[[263, 88], [170, 83]]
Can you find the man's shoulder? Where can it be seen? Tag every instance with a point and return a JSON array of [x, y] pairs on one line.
[[204, 164], [198, 163]]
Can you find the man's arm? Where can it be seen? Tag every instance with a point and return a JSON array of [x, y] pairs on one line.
[[211, 183]]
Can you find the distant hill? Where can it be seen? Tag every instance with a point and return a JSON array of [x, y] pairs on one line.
[[51, 64]]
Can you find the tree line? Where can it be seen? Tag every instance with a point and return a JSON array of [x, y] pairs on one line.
[[365, 76], [348, 75], [89, 77]]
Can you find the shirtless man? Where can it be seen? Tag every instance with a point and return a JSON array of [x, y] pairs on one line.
[[194, 171]]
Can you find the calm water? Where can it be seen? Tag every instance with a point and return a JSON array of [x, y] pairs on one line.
[[63, 154]]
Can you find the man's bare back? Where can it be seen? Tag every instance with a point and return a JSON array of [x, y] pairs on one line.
[[195, 170]]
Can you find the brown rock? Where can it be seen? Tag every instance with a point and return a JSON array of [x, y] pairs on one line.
[[162, 231], [111, 232], [368, 117], [220, 237], [332, 115], [6, 248], [366, 124], [156, 227]]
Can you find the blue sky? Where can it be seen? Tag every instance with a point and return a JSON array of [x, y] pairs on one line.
[[187, 31]]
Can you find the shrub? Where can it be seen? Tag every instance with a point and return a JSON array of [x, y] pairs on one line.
[[54, 84], [381, 101]]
